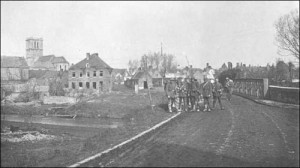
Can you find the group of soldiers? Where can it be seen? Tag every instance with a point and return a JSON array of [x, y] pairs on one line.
[[187, 94]]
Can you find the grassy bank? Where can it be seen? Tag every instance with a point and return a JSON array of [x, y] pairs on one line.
[[72, 144]]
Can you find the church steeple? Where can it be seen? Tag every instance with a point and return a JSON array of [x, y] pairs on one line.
[[34, 49]]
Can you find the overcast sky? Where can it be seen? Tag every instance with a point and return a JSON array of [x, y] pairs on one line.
[[213, 32]]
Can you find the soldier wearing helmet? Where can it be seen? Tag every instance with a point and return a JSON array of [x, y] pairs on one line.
[[170, 90]]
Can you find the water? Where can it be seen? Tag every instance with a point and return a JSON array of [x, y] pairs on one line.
[[77, 122]]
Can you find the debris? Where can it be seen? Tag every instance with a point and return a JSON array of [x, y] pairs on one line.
[[21, 136], [13, 128]]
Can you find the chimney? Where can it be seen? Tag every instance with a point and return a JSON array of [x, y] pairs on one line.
[[95, 54], [87, 56]]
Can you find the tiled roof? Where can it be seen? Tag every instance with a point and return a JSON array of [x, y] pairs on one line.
[[13, 62], [46, 58], [140, 74], [48, 61], [121, 71], [59, 60], [44, 62], [94, 62]]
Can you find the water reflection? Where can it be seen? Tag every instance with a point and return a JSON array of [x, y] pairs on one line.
[[77, 122]]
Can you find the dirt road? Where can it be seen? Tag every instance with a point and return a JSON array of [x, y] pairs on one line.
[[244, 134]]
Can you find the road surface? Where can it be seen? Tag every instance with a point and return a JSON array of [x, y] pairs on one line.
[[244, 134]]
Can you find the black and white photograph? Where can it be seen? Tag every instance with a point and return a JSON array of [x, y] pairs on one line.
[[149, 84]]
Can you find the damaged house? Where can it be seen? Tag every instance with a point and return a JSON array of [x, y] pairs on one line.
[[14, 69], [90, 73]]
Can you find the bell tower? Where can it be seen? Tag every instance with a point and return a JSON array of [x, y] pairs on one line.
[[34, 49]]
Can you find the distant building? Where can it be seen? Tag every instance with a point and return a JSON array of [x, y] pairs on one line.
[[14, 69], [157, 78], [118, 76], [229, 65], [199, 75], [90, 73], [143, 79], [51, 62]]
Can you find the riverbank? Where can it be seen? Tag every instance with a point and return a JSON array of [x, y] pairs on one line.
[[71, 144]]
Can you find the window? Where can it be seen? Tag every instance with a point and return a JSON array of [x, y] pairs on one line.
[[88, 74], [59, 67], [87, 65], [94, 73], [94, 85], [80, 84], [101, 73], [65, 67], [87, 85], [80, 74], [73, 85], [101, 85], [73, 74]]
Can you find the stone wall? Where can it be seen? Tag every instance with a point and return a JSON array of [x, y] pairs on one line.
[[59, 100], [284, 94]]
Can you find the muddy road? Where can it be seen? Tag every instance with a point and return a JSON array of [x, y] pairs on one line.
[[244, 134]]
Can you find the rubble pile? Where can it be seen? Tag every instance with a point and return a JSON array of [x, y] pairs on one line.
[[20, 136]]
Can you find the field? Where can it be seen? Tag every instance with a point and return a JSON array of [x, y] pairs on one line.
[[51, 145]]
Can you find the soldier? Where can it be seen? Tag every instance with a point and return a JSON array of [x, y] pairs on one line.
[[188, 95], [207, 92], [183, 95], [200, 91], [178, 95], [217, 93], [170, 90], [194, 93], [228, 86], [197, 97], [177, 90]]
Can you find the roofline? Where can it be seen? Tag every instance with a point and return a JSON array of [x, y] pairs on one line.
[[32, 38]]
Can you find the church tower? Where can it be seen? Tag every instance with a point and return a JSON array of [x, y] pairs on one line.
[[34, 49]]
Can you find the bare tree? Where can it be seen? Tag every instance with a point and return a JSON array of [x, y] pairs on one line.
[[133, 66], [287, 37]]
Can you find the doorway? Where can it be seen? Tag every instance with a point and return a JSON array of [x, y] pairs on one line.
[[145, 85]]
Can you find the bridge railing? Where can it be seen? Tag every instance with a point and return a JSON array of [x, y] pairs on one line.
[[250, 87], [260, 89]]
